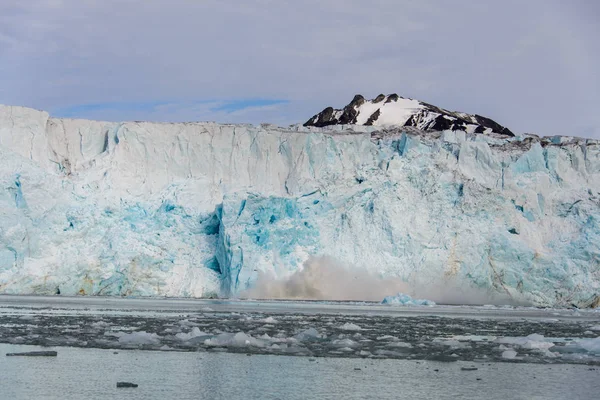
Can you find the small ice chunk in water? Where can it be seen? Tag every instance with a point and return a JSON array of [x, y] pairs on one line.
[[388, 337], [509, 354], [406, 300], [344, 343], [308, 334], [549, 354], [350, 327], [139, 338], [187, 322], [400, 344], [195, 332], [594, 328], [533, 341], [590, 345], [269, 320], [239, 339]]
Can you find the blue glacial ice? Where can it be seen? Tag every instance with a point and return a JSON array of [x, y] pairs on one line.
[[200, 209], [405, 300]]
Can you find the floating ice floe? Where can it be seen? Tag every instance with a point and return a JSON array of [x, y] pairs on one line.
[[533, 341], [406, 300], [594, 328], [387, 337], [400, 345], [509, 354], [308, 334], [348, 326], [195, 332], [239, 339], [139, 338], [344, 343], [584, 345]]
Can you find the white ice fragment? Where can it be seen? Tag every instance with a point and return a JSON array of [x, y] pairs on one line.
[[269, 320], [594, 328], [533, 341], [590, 345], [387, 337], [400, 344], [509, 354], [348, 326], [548, 353], [195, 332], [187, 322], [239, 339], [308, 334], [344, 343], [139, 338]]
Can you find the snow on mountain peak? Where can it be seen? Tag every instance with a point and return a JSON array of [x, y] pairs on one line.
[[394, 110]]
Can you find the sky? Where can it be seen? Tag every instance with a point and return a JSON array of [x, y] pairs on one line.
[[532, 65]]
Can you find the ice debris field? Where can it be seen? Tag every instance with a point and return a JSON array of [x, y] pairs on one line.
[[311, 329], [202, 209]]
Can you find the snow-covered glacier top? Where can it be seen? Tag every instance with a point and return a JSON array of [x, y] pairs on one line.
[[199, 209], [394, 110]]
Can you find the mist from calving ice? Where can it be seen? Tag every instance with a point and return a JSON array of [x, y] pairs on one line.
[[323, 278]]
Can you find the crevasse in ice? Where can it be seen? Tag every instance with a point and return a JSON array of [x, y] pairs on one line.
[[201, 209]]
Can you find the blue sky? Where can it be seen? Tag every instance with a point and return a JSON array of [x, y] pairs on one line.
[[213, 106], [531, 65]]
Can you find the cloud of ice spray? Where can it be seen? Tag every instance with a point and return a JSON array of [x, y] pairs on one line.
[[324, 278]]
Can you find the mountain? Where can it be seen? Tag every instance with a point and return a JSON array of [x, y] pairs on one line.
[[205, 209], [394, 110]]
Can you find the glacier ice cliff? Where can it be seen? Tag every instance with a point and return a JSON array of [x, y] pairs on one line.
[[200, 209]]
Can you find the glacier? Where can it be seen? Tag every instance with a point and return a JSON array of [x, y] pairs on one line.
[[201, 209]]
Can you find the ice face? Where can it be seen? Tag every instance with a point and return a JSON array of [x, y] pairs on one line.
[[200, 209]]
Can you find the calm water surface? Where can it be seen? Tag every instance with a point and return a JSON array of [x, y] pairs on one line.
[[83, 373]]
